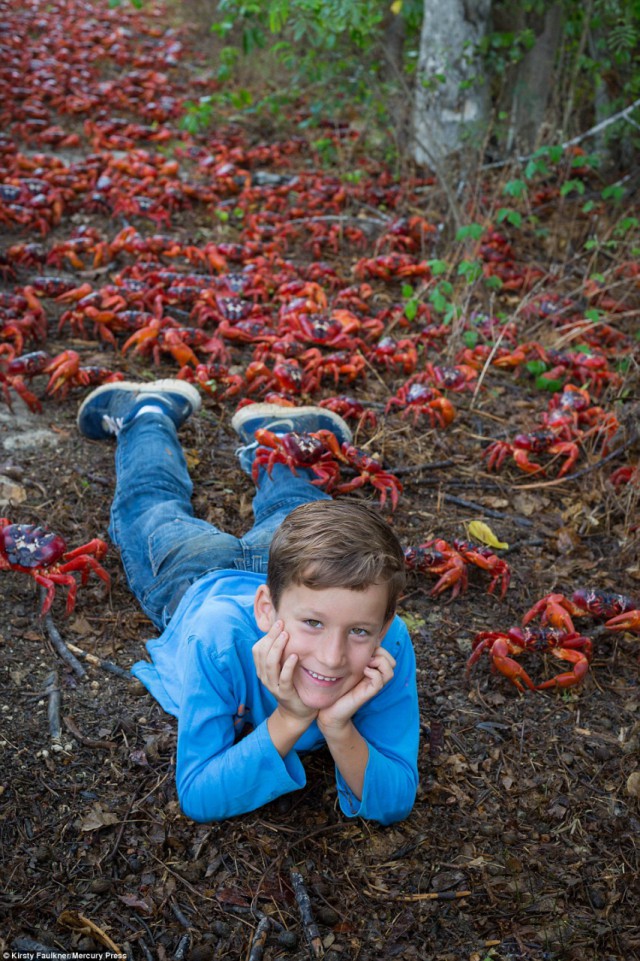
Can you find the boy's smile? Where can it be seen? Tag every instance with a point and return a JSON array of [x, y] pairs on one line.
[[334, 633]]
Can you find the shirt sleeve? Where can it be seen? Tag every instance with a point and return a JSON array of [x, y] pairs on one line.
[[215, 777], [390, 724]]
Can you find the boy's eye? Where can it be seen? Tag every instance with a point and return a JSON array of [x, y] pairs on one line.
[[312, 623], [360, 631]]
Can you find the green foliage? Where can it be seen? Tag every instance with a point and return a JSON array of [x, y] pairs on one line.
[[319, 44], [326, 51]]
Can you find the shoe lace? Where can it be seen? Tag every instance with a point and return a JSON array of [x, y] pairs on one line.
[[113, 425]]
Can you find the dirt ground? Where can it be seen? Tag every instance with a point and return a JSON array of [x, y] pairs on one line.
[[523, 843]]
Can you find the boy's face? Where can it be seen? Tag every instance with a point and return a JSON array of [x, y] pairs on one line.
[[334, 632]]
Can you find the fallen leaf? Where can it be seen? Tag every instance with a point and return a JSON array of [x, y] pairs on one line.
[[11, 494], [527, 504], [483, 533], [133, 901], [457, 762], [633, 784], [98, 818], [413, 621], [80, 625]]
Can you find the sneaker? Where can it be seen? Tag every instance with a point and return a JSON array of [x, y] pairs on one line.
[[283, 420], [105, 411]]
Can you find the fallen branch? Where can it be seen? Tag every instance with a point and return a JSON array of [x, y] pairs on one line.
[[518, 521], [52, 690], [434, 896], [100, 662], [380, 892], [183, 947], [59, 645], [73, 729], [621, 115], [311, 930], [434, 465], [259, 940], [180, 915]]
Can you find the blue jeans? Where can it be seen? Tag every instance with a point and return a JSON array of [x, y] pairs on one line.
[[163, 546]]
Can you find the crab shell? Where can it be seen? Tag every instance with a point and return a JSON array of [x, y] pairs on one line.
[[30, 546]]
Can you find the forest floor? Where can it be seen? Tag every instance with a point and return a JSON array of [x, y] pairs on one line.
[[523, 843]]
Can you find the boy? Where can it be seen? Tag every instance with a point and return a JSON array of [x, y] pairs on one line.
[[311, 655]]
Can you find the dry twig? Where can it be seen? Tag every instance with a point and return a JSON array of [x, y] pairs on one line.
[[100, 662], [311, 930], [52, 690], [259, 939], [59, 645]]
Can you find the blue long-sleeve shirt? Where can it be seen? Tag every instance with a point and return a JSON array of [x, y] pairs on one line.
[[203, 672]]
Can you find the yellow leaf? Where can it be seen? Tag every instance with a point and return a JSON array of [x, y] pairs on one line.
[[483, 533], [396, 6]]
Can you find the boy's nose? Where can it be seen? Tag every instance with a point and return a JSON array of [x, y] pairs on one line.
[[332, 653]]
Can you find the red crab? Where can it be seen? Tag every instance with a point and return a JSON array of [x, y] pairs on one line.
[[451, 561], [317, 451], [418, 399], [437, 557], [370, 471], [349, 407], [620, 613], [504, 648], [323, 454], [543, 441], [42, 554], [13, 371]]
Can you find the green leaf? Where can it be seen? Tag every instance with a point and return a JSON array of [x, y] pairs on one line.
[[613, 192], [535, 367], [438, 300], [625, 225], [470, 338], [514, 188], [548, 383], [475, 231], [535, 167], [438, 267], [471, 269], [411, 309], [571, 185]]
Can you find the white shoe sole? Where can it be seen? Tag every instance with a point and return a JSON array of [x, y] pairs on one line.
[[186, 390], [279, 412]]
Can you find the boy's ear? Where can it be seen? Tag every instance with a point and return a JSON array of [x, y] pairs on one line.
[[265, 612]]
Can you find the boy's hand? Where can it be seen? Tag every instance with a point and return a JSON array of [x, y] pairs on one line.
[[277, 676], [378, 672]]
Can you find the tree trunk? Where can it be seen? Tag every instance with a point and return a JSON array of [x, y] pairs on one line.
[[534, 83], [394, 28], [451, 98]]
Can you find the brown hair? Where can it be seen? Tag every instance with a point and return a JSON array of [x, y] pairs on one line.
[[329, 543]]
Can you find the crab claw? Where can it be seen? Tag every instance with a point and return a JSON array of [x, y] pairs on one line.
[[625, 622], [509, 667], [580, 663], [556, 610]]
